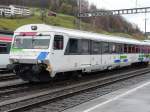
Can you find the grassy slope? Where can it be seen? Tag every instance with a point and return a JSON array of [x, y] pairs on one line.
[[59, 20]]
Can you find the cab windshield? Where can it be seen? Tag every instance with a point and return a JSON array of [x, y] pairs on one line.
[[32, 42]]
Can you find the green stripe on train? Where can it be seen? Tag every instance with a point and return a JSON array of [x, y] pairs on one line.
[[123, 57], [16, 50]]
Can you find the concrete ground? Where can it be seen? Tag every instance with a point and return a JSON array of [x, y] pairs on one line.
[[132, 99]]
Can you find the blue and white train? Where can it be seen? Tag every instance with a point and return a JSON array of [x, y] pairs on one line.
[[39, 52]]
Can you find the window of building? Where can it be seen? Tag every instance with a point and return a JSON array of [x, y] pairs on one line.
[[58, 42]]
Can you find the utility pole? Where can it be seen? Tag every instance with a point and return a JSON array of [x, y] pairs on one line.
[[145, 25], [136, 3], [79, 11], [43, 12]]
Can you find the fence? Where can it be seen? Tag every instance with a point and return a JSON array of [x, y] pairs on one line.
[[12, 10]]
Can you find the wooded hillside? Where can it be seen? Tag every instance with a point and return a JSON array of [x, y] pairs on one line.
[[70, 7]]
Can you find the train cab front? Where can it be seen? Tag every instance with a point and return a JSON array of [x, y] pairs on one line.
[[29, 56]]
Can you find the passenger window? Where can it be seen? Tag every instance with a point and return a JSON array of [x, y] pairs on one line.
[[3, 49], [112, 47], [96, 48], [119, 48], [85, 46], [133, 49], [125, 48], [130, 49], [105, 48], [72, 46], [58, 42]]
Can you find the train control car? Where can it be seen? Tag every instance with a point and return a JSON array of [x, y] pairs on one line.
[[40, 52], [5, 44]]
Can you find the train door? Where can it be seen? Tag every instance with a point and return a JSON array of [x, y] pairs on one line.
[[57, 57], [96, 55]]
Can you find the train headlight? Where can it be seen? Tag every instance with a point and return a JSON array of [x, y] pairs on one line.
[[34, 27]]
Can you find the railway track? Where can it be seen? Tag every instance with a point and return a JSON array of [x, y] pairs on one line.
[[11, 83], [8, 76], [30, 101], [15, 86]]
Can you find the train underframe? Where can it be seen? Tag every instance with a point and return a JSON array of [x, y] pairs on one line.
[[38, 72], [31, 72]]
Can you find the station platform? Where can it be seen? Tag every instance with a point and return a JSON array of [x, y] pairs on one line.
[[131, 99]]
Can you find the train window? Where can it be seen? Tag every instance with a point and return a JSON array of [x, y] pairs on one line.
[[85, 46], [96, 47], [137, 49], [148, 50], [120, 48], [72, 46], [105, 47], [3, 49], [58, 42], [133, 49], [130, 49], [125, 48], [143, 49], [112, 48]]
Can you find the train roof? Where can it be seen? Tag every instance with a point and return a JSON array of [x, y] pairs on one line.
[[79, 34]]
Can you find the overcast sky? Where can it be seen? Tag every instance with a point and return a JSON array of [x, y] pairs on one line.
[[138, 19]]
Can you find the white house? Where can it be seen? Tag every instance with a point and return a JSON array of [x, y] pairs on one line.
[[20, 10], [14, 10], [5, 10]]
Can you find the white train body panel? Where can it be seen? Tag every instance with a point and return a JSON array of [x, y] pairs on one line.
[[5, 43], [59, 61], [4, 60]]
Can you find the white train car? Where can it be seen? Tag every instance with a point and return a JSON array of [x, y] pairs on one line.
[[40, 52], [5, 44]]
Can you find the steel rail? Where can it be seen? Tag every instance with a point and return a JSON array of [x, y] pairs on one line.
[[30, 101]]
